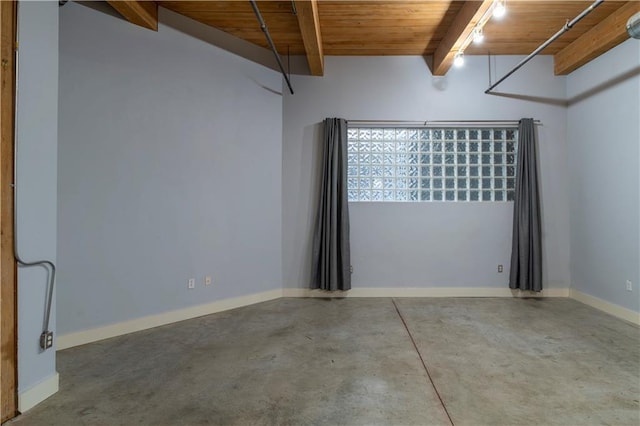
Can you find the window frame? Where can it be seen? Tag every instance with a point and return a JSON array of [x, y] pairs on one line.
[[439, 163]]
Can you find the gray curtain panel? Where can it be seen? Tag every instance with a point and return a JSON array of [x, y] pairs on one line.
[[526, 248], [331, 251]]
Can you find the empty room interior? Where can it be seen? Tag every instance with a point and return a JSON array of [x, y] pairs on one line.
[[320, 212]]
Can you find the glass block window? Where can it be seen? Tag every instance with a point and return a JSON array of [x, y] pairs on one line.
[[431, 164]]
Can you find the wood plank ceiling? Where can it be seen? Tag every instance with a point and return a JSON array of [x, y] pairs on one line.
[[409, 27]]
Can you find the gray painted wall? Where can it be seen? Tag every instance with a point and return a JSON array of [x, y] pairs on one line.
[[170, 168], [424, 244], [37, 134], [226, 169], [604, 142]]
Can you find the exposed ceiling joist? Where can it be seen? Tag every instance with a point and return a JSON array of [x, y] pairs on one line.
[[604, 36], [458, 32], [307, 12], [139, 12], [394, 27]]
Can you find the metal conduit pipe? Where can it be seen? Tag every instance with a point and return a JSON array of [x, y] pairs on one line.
[[46, 338], [265, 30], [544, 45]]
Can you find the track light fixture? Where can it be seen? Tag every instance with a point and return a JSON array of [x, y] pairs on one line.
[[458, 59], [478, 35], [499, 9]]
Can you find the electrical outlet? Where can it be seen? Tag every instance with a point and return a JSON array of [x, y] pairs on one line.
[[500, 268], [351, 269], [192, 283], [629, 285], [46, 340], [207, 280]]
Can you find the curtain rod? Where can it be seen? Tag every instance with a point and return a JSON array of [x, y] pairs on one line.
[[438, 122]]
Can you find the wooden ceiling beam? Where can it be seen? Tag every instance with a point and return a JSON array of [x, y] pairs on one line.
[[460, 29], [309, 22], [139, 12], [606, 35]]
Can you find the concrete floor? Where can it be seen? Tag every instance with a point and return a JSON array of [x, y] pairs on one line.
[[352, 362]]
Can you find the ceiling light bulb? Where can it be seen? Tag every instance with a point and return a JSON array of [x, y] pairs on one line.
[[478, 35], [458, 59], [499, 10]]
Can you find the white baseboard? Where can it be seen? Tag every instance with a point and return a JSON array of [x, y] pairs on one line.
[[139, 324], [608, 307], [93, 335], [426, 292], [34, 396]]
